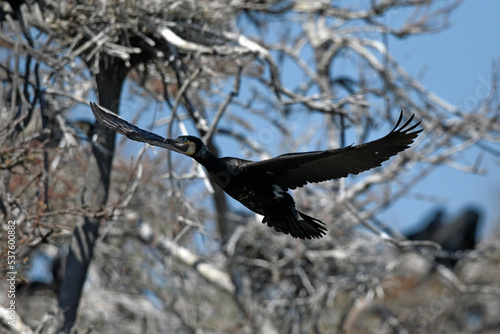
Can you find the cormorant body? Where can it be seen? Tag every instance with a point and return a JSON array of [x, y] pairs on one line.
[[456, 235], [262, 185]]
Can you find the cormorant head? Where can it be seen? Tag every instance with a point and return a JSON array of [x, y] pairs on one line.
[[188, 145]]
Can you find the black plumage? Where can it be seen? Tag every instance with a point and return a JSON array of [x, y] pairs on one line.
[[262, 186], [456, 235]]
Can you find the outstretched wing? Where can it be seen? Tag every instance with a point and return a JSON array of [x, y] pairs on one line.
[[118, 124], [296, 169]]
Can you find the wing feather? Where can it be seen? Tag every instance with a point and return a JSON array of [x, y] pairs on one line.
[[118, 124], [297, 169]]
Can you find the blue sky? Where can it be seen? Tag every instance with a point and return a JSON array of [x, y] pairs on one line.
[[456, 65]]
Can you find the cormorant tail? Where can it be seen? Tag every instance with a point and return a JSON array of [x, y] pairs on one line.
[[305, 228]]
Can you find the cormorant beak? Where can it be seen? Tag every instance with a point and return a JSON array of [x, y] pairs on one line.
[[181, 146]]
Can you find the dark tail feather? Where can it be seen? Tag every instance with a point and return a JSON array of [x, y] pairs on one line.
[[305, 228]]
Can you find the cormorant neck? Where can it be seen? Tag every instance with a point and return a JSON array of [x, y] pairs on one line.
[[204, 156]]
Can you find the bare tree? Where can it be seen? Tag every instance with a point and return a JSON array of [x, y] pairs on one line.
[[159, 247]]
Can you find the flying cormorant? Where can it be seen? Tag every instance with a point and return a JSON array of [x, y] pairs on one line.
[[262, 186]]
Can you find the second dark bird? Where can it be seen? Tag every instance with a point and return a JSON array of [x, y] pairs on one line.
[[262, 186]]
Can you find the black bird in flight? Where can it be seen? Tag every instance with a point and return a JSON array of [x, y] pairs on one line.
[[262, 186]]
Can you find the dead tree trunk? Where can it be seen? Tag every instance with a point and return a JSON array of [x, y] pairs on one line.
[[109, 80]]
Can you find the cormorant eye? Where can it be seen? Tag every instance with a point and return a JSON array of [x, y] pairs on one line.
[[186, 141]]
